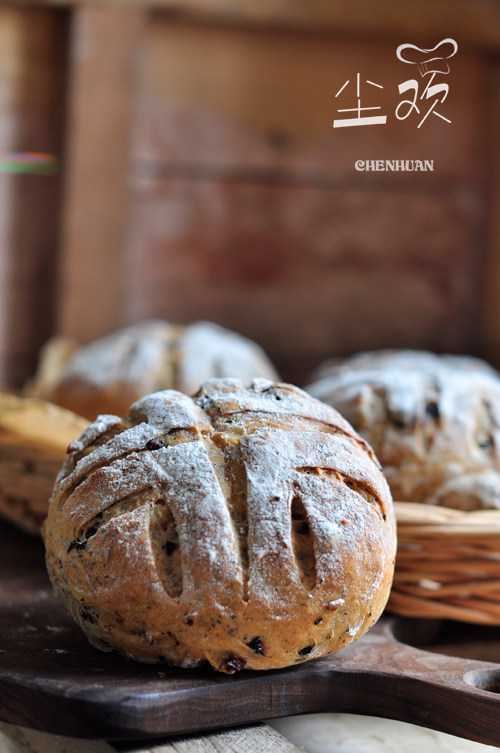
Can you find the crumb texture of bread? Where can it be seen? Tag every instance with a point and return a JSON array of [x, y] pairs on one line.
[[432, 420], [109, 374], [246, 527]]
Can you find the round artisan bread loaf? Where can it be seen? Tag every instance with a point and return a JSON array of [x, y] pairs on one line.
[[109, 374], [244, 527], [433, 421]]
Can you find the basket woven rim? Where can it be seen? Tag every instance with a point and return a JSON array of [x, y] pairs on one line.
[[447, 564], [421, 515]]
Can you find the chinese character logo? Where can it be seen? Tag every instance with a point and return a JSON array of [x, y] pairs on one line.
[[432, 63], [359, 120], [425, 97]]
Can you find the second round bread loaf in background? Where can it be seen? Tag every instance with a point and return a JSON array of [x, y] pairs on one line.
[[433, 421], [109, 374]]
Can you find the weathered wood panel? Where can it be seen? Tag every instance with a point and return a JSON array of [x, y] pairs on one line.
[[489, 300], [307, 272], [478, 21], [246, 207], [32, 63], [246, 102], [102, 81]]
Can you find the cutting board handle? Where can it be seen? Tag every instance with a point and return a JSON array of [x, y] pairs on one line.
[[384, 676]]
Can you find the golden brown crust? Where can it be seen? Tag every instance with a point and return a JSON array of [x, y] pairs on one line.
[[433, 421], [109, 374], [246, 527]]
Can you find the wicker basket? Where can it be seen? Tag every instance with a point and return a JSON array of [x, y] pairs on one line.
[[34, 436], [448, 564]]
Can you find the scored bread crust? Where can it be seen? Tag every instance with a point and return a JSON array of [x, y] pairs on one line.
[[247, 527], [109, 374], [433, 421]]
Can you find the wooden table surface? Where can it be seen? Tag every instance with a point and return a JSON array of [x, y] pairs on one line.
[[21, 569], [313, 733]]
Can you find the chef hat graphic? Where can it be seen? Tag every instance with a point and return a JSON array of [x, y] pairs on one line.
[[433, 60]]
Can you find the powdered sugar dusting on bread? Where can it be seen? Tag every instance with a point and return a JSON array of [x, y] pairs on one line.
[[127, 355], [225, 397], [205, 531], [128, 441], [168, 410], [279, 466], [209, 351], [100, 426]]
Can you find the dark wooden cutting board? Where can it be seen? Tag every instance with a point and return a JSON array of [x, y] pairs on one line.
[[51, 679]]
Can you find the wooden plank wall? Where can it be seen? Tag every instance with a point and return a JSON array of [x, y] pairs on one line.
[[32, 79], [102, 68], [203, 179], [247, 208]]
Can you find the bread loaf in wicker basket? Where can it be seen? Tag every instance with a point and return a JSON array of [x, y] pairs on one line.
[[434, 423]]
